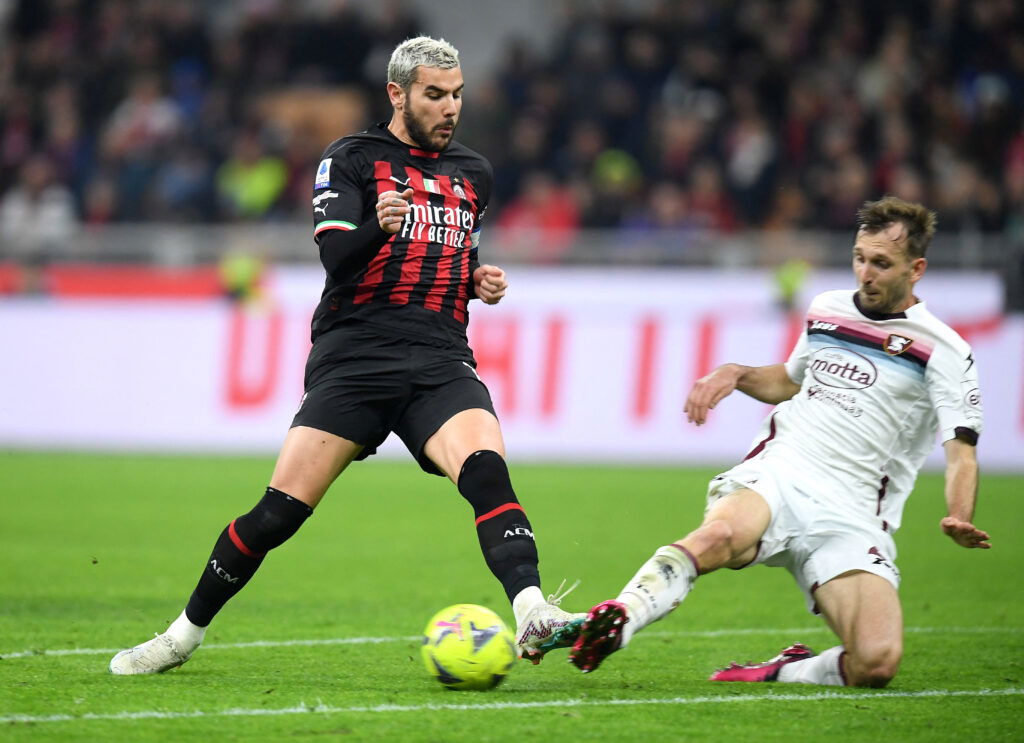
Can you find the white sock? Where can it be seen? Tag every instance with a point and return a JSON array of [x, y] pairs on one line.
[[187, 635], [658, 587], [524, 601], [821, 669]]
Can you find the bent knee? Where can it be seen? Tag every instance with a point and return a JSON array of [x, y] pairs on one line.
[[717, 533], [874, 677], [875, 668]]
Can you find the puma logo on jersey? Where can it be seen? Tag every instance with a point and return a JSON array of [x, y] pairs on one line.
[[896, 344]]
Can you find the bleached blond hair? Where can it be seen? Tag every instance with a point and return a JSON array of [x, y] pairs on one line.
[[421, 50]]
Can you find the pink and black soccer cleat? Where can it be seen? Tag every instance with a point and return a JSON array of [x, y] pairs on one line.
[[767, 671], [600, 635]]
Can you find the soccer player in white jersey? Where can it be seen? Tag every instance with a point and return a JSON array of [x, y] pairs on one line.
[[858, 404]]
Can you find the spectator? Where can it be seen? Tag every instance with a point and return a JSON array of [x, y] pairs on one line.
[[542, 221], [143, 122], [616, 189], [136, 140], [773, 94], [662, 227], [37, 215], [711, 208], [750, 166], [251, 181]]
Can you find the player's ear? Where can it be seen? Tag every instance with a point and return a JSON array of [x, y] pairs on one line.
[[396, 95], [917, 267]]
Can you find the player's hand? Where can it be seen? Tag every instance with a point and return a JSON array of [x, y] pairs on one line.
[[392, 208], [965, 533], [490, 283], [708, 391]]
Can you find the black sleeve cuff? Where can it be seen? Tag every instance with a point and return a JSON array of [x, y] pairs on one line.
[[967, 435], [470, 283]]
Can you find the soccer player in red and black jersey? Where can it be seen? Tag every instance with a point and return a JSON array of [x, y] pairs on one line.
[[397, 213]]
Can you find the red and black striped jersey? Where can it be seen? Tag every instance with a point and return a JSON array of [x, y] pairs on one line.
[[419, 281]]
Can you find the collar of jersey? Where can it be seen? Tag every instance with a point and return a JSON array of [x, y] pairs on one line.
[[414, 151], [880, 315]]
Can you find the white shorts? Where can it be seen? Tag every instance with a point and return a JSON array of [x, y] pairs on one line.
[[808, 537]]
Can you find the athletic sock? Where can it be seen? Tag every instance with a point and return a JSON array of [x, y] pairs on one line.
[[825, 669], [525, 601], [240, 550], [505, 534], [658, 587], [187, 635]]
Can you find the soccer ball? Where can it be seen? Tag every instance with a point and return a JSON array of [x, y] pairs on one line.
[[468, 647]]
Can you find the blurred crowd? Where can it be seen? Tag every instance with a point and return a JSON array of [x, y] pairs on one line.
[[766, 114], [714, 115]]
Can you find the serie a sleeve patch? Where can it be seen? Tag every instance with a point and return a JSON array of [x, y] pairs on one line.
[[323, 174]]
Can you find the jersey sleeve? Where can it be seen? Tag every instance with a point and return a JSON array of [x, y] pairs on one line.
[[338, 192], [484, 185], [796, 364], [485, 181], [952, 379]]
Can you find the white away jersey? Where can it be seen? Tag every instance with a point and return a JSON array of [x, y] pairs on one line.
[[874, 391]]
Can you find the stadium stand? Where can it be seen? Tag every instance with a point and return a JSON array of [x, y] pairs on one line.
[[683, 118]]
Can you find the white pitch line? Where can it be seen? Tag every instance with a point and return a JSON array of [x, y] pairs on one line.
[[223, 646], [325, 709], [739, 632]]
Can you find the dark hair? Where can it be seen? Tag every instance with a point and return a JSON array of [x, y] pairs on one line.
[[918, 220]]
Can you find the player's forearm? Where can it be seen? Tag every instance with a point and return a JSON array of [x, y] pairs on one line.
[[344, 251], [961, 485], [474, 264], [770, 384]]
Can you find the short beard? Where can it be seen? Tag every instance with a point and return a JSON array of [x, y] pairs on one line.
[[887, 306], [421, 136]]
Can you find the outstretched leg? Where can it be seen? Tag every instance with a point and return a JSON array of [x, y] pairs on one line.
[[728, 536], [309, 462], [469, 449]]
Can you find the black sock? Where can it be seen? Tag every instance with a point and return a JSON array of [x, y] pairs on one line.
[[240, 549], [505, 534]]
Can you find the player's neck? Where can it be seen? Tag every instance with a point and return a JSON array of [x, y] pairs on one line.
[[907, 303], [397, 127]]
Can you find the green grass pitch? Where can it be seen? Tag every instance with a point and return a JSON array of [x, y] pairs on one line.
[[98, 552]]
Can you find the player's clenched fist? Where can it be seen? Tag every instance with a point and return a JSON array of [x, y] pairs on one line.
[[490, 283], [392, 208]]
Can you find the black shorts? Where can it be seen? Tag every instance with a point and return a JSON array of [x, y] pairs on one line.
[[362, 385]]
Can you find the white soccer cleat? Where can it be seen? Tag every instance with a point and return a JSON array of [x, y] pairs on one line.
[[547, 627], [160, 654]]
